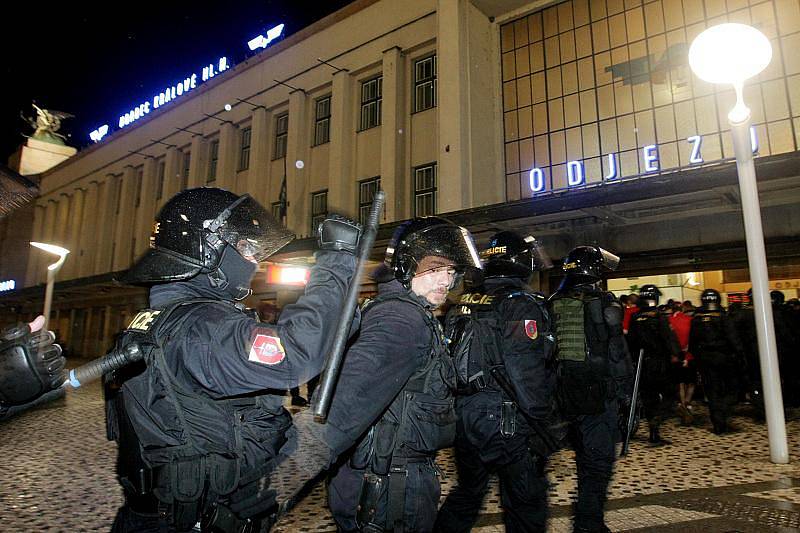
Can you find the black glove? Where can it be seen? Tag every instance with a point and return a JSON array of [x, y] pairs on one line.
[[31, 365], [339, 233]]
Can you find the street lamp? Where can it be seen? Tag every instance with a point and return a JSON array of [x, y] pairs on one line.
[[734, 53], [52, 270]]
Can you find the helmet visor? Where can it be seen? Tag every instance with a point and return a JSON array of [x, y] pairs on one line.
[[450, 242], [249, 228], [539, 258], [609, 261]]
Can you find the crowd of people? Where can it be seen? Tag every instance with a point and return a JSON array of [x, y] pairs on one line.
[[714, 351]]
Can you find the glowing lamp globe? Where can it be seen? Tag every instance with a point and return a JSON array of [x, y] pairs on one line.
[[729, 53]]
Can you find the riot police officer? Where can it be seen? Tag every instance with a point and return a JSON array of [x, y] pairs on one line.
[[500, 333], [713, 341], [594, 374], [651, 335], [31, 368], [394, 394], [195, 419]]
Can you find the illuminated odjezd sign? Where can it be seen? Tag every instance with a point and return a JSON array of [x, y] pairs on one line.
[[169, 94], [8, 285], [576, 175]]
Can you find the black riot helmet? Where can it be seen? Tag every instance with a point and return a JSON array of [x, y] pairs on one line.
[[431, 237], [510, 255], [648, 294], [585, 265], [777, 297], [711, 300], [197, 229]]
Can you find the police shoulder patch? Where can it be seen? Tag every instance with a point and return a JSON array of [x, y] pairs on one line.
[[266, 349], [531, 329]]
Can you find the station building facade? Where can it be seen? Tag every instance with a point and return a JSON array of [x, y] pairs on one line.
[[578, 121]]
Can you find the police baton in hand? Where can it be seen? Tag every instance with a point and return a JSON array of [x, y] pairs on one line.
[[634, 401], [94, 369], [327, 383]]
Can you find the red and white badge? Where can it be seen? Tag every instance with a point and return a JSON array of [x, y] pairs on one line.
[[531, 329], [266, 350]]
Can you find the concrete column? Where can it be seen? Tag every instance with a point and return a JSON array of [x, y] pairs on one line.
[[146, 212], [258, 176], [392, 141], [31, 274], [228, 156], [48, 235], [62, 221], [172, 176], [298, 217], [72, 265], [87, 241], [106, 216], [87, 346], [197, 164], [340, 154], [453, 109], [125, 220]]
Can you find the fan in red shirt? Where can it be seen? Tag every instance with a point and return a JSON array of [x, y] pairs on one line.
[[630, 309], [685, 370]]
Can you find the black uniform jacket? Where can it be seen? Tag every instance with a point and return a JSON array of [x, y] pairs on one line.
[[525, 347], [224, 354]]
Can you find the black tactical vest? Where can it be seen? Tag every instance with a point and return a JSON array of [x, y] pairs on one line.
[[473, 328], [711, 335], [191, 443], [583, 352], [421, 419]]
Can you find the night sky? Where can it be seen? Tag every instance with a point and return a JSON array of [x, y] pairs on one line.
[[96, 66]]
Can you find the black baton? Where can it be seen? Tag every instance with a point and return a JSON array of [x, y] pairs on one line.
[[333, 364], [108, 363], [634, 401]]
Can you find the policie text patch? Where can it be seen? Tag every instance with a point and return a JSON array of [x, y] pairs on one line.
[[266, 350]]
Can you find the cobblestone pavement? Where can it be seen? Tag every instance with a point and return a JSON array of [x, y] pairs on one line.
[[58, 475]]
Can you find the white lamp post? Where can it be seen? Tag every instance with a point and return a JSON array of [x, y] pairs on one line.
[[52, 270], [733, 53]]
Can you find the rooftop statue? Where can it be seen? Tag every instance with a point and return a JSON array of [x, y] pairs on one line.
[[46, 125]]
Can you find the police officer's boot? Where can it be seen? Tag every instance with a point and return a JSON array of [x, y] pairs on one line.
[[655, 438]]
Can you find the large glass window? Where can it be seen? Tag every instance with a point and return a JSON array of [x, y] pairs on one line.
[[366, 192], [371, 97], [281, 135], [213, 157], [425, 190], [244, 149], [597, 91], [322, 121], [425, 83], [319, 209]]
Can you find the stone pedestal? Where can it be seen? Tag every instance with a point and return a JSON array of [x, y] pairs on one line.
[[34, 156]]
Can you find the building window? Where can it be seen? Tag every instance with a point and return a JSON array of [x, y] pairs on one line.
[[139, 174], [162, 167], [281, 135], [319, 209], [187, 160], [276, 211], [366, 192], [244, 149], [322, 121], [212, 161], [425, 190], [371, 97], [425, 83]]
